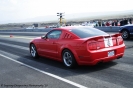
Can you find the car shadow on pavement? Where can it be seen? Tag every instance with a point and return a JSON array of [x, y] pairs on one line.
[[129, 43], [131, 39], [53, 64], [98, 67]]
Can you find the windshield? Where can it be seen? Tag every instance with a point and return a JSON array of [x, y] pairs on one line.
[[87, 32]]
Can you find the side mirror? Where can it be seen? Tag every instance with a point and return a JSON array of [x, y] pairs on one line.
[[44, 37]]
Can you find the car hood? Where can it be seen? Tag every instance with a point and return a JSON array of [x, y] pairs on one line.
[[37, 38]]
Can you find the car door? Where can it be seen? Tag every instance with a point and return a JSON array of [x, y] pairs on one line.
[[50, 44]]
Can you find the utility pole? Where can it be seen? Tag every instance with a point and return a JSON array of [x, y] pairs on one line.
[[61, 17]]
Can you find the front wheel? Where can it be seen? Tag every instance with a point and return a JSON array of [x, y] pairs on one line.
[[68, 59], [33, 51], [125, 34]]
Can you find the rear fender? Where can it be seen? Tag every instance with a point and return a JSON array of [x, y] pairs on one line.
[[69, 47]]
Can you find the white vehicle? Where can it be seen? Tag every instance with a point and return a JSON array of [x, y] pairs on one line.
[[30, 27], [89, 24]]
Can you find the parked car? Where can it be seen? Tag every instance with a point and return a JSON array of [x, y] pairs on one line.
[[30, 27], [79, 45], [127, 31]]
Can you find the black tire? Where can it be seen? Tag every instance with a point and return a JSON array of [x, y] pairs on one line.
[[125, 34], [33, 51], [68, 59]]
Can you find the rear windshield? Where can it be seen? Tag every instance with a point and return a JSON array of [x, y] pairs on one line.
[[87, 32]]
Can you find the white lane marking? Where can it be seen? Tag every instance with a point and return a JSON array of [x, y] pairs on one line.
[[15, 46], [16, 37], [47, 73]]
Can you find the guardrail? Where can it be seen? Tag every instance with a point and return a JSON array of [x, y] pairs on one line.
[[109, 29], [106, 29], [27, 30]]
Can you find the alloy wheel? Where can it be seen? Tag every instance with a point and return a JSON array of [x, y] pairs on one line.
[[125, 35], [33, 51], [67, 59]]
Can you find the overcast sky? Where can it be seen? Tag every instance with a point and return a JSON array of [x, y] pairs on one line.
[[11, 10]]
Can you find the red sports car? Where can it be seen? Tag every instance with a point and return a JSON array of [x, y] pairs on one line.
[[78, 46]]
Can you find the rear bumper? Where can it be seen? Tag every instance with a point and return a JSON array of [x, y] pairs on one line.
[[96, 57], [105, 59]]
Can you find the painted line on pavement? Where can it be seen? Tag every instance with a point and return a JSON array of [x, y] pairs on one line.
[[11, 36], [15, 46], [47, 73]]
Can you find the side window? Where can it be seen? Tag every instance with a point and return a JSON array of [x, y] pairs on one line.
[[55, 34]]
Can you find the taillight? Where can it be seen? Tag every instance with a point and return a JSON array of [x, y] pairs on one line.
[[119, 40], [93, 46]]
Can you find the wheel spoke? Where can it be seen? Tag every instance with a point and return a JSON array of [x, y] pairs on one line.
[[33, 51], [67, 59], [70, 62], [125, 34]]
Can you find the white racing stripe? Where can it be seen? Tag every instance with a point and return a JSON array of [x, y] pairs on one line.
[[108, 42], [47, 73]]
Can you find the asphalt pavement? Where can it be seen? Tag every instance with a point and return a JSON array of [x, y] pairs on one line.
[[20, 70]]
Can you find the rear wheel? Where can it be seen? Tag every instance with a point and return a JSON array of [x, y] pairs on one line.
[[33, 51], [125, 34], [68, 59]]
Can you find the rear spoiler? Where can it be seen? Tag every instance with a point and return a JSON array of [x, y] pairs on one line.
[[104, 36]]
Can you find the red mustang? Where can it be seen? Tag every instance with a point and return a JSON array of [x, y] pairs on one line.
[[78, 46]]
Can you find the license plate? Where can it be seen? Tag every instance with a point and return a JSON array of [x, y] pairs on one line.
[[111, 53]]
